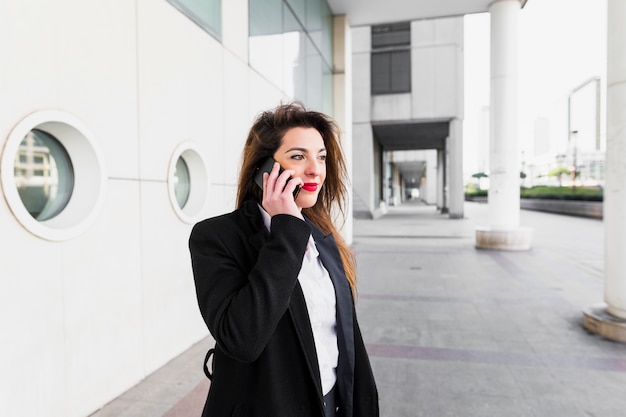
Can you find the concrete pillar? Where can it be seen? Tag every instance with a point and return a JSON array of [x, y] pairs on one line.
[[428, 187], [386, 175], [441, 181], [609, 320], [342, 104], [504, 232], [455, 162], [364, 159]]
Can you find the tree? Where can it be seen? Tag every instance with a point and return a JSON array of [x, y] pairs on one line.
[[478, 176], [559, 172]]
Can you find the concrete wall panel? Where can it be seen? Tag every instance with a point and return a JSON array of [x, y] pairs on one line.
[[101, 307], [171, 322], [235, 33], [448, 93], [423, 73], [361, 39], [388, 107], [363, 161], [361, 87]]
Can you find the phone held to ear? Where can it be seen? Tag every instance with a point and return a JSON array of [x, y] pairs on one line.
[[266, 166]]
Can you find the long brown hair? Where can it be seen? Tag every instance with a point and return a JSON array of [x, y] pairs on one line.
[[265, 137]]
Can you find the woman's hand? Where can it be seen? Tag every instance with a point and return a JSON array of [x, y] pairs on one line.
[[278, 192]]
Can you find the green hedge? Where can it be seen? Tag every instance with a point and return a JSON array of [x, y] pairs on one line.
[[563, 193], [549, 193]]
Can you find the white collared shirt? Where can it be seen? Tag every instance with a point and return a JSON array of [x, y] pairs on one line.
[[319, 294]]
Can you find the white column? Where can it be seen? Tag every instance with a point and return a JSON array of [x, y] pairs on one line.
[[430, 182], [364, 158], [386, 178], [504, 201], [615, 190], [609, 320], [342, 104], [441, 183], [455, 182]]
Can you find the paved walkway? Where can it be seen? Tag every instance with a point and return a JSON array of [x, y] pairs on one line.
[[455, 331]]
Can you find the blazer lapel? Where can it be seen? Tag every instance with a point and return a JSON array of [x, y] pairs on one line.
[[331, 259], [332, 262]]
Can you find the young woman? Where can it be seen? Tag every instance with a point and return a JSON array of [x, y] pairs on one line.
[[276, 282]]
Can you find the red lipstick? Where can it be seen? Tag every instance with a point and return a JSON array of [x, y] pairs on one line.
[[310, 186]]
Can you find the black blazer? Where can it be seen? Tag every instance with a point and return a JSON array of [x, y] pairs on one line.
[[265, 362]]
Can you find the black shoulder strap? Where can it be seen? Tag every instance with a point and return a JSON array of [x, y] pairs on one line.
[[206, 363]]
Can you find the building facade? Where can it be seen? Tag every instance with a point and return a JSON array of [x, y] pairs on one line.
[[408, 96], [121, 125]]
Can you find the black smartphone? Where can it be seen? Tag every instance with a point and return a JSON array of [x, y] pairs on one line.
[[266, 166]]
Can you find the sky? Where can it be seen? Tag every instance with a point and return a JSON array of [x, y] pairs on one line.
[[562, 44]]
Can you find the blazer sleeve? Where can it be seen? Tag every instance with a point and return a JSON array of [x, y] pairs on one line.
[[242, 297]]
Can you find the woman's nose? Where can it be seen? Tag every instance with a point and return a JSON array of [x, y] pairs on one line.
[[313, 168]]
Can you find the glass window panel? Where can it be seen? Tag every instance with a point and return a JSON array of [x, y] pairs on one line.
[[314, 72], [205, 13], [381, 81], [296, 59], [327, 100], [294, 41], [265, 45], [182, 182], [327, 33], [401, 72], [314, 21], [44, 175], [299, 8], [391, 72], [265, 17]]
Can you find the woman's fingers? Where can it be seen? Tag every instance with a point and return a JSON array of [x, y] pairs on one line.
[[278, 191]]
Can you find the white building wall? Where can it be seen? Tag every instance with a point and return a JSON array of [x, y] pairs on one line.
[[437, 68], [84, 319], [391, 107]]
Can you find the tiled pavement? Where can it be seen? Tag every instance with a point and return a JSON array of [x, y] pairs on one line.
[[455, 331]]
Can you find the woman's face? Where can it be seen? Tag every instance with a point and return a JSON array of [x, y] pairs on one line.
[[302, 150]]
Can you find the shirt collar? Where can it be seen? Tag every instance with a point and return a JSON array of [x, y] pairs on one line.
[[267, 220]]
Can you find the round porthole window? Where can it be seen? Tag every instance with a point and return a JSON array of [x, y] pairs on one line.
[[187, 182], [52, 175], [182, 183], [44, 175]]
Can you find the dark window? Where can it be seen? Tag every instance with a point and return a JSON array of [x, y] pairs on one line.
[[396, 34], [391, 58]]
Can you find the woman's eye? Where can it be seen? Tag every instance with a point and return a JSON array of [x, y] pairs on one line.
[[297, 157], [322, 157]]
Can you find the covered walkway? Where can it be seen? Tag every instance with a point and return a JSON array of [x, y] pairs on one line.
[[456, 331]]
